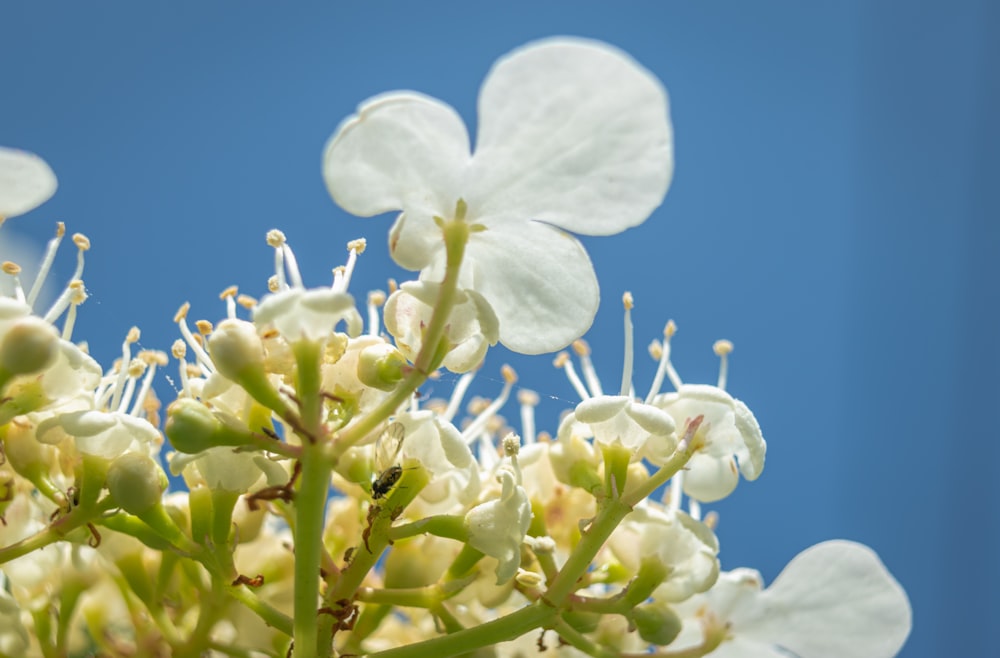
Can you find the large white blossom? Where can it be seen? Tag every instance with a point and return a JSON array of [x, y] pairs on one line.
[[834, 600], [573, 135]]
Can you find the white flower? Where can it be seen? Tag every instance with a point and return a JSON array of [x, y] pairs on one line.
[[730, 433], [26, 182], [497, 527], [439, 448], [675, 540], [472, 326], [105, 434], [619, 420], [573, 136], [833, 600]]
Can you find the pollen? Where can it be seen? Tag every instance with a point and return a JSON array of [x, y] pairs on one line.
[[246, 301], [178, 349], [204, 327], [627, 301], [508, 373], [722, 347], [10, 268], [376, 298], [133, 335], [357, 246], [229, 292], [182, 312]]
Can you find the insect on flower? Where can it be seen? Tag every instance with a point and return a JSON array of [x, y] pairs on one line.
[[387, 449]]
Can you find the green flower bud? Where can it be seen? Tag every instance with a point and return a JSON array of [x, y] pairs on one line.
[[657, 623], [192, 427], [136, 482], [28, 346], [381, 366]]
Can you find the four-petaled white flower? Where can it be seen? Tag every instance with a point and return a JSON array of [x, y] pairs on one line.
[[26, 182], [833, 600], [573, 135]]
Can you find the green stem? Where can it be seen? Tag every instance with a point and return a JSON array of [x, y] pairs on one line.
[[681, 456], [443, 525], [579, 641], [505, 628], [310, 512], [274, 618], [456, 237], [611, 513], [61, 527]]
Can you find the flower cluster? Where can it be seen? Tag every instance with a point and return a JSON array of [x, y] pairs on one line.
[[329, 508]]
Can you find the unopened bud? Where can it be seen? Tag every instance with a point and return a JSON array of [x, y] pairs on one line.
[[238, 353], [656, 623], [381, 366], [192, 427], [28, 346], [136, 482]]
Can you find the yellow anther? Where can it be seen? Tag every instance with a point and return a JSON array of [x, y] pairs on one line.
[[81, 241], [527, 397], [136, 367], [275, 238], [133, 335], [508, 374], [246, 301], [60, 229], [178, 349], [561, 360], [656, 350], [10, 268], [511, 445], [204, 327], [272, 284], [376, 297], [670, 329], [182, 312], [392, 285], [581, 347], [228, 292], [628, 301], [357, 246], [722, 347]]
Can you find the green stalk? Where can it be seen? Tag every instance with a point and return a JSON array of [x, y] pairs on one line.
[[456, 237], [310, 516]]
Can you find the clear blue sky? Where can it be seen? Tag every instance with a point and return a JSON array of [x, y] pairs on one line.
[[833, 214]]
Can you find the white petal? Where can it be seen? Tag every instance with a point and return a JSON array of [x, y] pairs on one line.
[[540, 283], [833, 600], [401, 151], [751, 456], [572, 132], [26, 182]]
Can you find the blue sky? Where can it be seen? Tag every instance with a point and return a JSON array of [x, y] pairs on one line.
[[832, 214]]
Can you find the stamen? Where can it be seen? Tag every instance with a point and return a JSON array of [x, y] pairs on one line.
[[152, 359], [82, 243], [582, 350], [694, 509], [664, 367], [292, 265], [376, 298], [563, 361], [392, 285], [13, 270], [487, 455], [511, 447], [229, 295], [276, 239], [64, 300], [355, 247], [247, 302], [711, 520], [455, 401], [200, 355], [131, 337], [135, 369], [179, 350], [483, 418], [43, 271], [528, 400], [722, 348], [629, 356]]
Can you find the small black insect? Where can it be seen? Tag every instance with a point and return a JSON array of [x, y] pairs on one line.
[[386, 451]]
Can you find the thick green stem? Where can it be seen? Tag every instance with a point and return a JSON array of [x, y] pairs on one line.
[[688, 445], [310, 515], [58, 530]]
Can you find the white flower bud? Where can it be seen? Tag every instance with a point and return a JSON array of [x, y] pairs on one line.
[[236, 349]]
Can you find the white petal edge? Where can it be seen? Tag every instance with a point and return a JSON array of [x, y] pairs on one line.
[[540, 283], [833, 600], [26, 182], [572, 132], [400, 149]]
